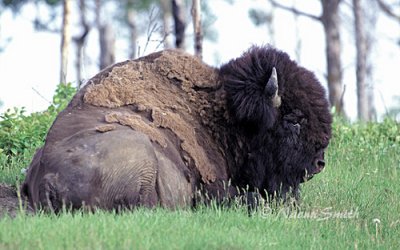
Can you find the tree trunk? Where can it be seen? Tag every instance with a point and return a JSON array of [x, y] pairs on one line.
[[361, 68], [179, 22], [371, 15], [131, 21], [80, 42], [166, 15], [106, 39], [372, 116], [107, 45], [65, 40], [331, 23], [198, 31]]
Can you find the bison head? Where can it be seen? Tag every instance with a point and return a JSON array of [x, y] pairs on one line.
[[283, 114]]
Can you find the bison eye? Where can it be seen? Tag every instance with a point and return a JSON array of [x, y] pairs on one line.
[[297, 128], [294, 128]]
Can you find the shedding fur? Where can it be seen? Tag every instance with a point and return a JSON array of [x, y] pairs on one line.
[[171, 78], [136, 122], [187, 135]]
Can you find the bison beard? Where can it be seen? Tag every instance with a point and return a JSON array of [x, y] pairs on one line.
[[156, 130]]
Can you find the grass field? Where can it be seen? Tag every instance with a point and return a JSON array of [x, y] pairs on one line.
[[353, 204]]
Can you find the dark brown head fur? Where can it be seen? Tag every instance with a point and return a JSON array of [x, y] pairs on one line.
[[285, 144]]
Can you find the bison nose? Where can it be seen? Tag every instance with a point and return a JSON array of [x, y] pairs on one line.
[[321, 163]]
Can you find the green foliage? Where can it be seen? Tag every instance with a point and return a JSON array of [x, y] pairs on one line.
[[14, 3], [53, 2], [260, 17], [61, 98], [367, 136], [21, 133], [139, 5], [208, 20]]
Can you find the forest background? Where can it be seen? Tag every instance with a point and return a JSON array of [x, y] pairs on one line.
[[353, 46]]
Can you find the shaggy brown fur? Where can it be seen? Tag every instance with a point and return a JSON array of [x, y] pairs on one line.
[[157, 129]]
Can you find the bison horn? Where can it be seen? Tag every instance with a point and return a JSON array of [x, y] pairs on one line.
[[271, 88]]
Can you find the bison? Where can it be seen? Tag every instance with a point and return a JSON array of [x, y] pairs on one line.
[[161, 129]]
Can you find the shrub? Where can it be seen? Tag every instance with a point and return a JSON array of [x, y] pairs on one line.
[[367, 135], [21, 133]]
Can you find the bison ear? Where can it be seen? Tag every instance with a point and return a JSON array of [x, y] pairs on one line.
[[271, 89]]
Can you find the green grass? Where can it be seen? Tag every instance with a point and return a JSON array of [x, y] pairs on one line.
[[11, 167], [207, 229], [353, 204]]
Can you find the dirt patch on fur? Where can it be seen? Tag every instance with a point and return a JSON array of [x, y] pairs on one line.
[[187, 135], [137, 123], [169, 90], [132, 81]]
